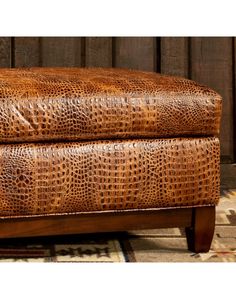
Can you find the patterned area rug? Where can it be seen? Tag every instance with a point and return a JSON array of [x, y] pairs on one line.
[[158, 245]]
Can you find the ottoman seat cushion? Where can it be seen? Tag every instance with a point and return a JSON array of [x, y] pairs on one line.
[[39, 104]]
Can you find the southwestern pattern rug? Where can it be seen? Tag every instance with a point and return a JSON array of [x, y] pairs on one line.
[[158, 245]]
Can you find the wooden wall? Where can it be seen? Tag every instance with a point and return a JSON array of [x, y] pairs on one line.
[[208, 60]]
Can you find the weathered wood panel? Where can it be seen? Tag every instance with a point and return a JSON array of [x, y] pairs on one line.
[[234, 97], [136, 53], [26, 52], [211, 64], [5, 52], [98, 51], [174, 56], [62, 51]]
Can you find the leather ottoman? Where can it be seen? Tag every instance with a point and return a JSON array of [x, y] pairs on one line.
[[93, 149]]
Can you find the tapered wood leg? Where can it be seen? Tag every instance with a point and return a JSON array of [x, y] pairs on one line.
[[200, 234]]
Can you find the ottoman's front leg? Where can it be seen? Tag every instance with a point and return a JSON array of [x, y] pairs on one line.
[[200, 234]]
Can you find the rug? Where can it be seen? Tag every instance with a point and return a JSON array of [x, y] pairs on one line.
[[156, 245]]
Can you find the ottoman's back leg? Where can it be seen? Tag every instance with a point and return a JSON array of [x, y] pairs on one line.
[[200, 235]]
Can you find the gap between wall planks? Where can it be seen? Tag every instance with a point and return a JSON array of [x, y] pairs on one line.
[[208, 60]]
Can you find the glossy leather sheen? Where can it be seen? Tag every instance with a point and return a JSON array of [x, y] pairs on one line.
[[77, 172], [39, 104], [57, 178]]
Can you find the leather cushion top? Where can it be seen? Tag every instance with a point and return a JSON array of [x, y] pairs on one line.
[[38, 104]]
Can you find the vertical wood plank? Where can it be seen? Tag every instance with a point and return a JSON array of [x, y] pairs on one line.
[[136, 53], [98, 51], [26, 51], [234, 99], [61, 51], [5, 52], [174, 56], [211, 64]]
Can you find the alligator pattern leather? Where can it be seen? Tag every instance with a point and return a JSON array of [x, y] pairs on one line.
[[43, 104], [74, 177]]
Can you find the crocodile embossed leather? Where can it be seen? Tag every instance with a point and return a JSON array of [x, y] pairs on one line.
[[108, 175], [39, 104], [83, 140]]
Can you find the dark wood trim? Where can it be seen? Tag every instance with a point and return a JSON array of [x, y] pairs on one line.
[[198, 222], [200, 234], [97, 222]]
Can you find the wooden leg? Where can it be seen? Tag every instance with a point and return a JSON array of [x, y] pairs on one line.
[[200, 234]]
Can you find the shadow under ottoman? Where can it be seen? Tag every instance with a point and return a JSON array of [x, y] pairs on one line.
[[96, 149]]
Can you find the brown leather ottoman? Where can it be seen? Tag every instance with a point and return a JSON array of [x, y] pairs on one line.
[[93, 150]]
